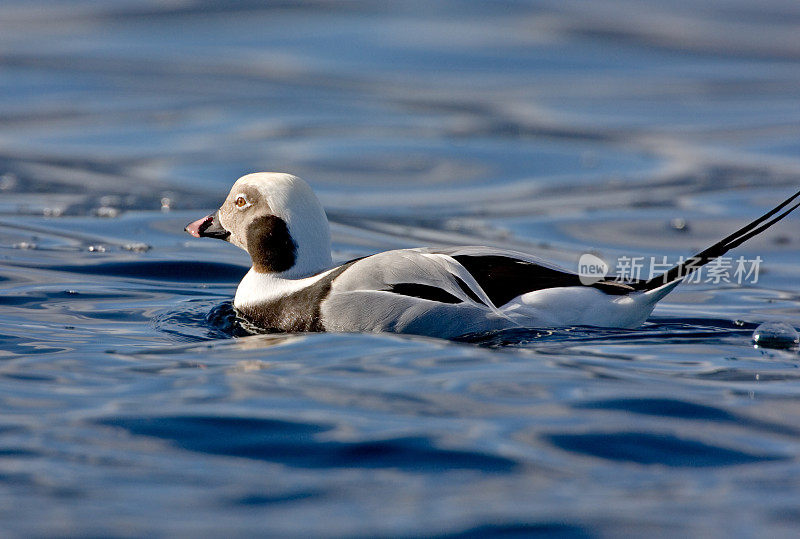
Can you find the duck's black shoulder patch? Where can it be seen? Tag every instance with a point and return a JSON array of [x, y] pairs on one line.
[[423, 291]]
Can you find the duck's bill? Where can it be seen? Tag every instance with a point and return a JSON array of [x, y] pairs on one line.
[[208, 227]]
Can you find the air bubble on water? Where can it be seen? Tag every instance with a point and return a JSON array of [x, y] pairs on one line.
[[109, 212], [166, 203], [776, 335], [53, 212], [25, 245], [97, 249]]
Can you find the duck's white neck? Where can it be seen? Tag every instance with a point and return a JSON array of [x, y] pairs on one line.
[[258, 288]]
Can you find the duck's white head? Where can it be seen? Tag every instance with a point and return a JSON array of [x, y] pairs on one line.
[[277, 219]]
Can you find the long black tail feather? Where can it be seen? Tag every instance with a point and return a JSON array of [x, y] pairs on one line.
[[705, 256]]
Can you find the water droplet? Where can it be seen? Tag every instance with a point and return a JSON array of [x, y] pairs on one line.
[[110, 200], [166, 204], [137, 247], [8, 181], [776, 335], [782, 240], [680, 224], [589, 159]]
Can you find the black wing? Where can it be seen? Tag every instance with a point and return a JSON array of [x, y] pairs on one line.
[[503, 278]]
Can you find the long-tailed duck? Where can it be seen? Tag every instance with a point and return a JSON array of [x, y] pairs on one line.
[[293, 285]]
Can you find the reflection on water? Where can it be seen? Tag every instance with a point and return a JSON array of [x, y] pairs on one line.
[[136, 403]]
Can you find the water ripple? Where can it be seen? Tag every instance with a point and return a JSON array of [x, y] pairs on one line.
[[651, 448], [297, 444]]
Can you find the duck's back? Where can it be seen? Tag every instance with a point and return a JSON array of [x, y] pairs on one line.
[[452, 292]]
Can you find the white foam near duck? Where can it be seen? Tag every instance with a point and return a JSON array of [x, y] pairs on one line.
[[294, 286]]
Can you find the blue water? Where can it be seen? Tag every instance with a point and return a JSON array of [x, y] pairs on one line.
[[134, 403]]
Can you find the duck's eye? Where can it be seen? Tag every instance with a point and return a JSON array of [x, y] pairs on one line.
[[240, 202]]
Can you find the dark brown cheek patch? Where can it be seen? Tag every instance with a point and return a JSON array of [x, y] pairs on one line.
[[270, 245]]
